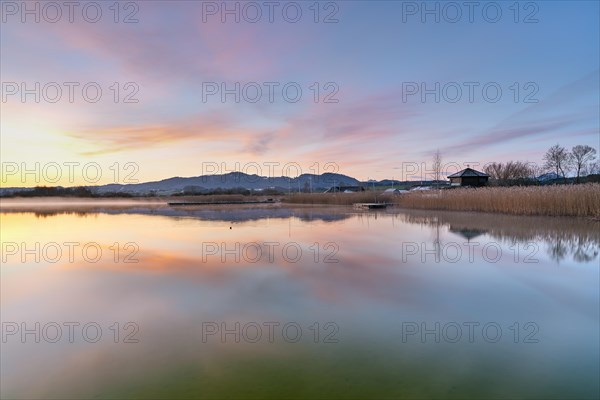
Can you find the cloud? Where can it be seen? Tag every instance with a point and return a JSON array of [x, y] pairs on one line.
[[503, 135], [193, 52], [559, 112], [215, 127], [363, 127], [260, 145]]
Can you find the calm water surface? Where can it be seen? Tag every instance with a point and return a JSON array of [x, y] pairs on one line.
[[147, 301]]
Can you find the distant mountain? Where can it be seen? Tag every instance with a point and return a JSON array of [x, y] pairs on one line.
[[550, 176], [231, 180]]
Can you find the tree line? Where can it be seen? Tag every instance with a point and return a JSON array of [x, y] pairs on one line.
[[581, 160], [558, 160]]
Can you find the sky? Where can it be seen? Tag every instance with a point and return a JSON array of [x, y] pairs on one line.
[[95, 93]]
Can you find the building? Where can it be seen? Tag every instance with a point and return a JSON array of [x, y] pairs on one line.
[[468, 177], [345, 189], [420, 188], [394, 191]]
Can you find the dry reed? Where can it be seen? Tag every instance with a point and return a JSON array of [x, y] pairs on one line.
[[559, 200]]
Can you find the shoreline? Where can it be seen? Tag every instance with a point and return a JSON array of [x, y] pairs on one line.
[[14, 204]]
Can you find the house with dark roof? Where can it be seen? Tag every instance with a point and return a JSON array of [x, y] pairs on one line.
[[468, 177]]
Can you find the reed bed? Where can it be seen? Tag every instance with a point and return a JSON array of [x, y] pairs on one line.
[[559, 200]]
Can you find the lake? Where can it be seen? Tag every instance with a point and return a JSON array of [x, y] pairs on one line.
[[141, 300]]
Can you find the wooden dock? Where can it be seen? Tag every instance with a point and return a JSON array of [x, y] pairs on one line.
[[370, 206]]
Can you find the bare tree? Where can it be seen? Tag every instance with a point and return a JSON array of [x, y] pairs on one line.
[[494, 170], [437, 166], [582, 155], [510, 171], [593, 167], [557, 158], [517, 170]]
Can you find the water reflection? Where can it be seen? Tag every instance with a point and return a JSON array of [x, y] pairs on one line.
[[563, 232], [562, 237], [233, 213], [388, 269], [467, 233]]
